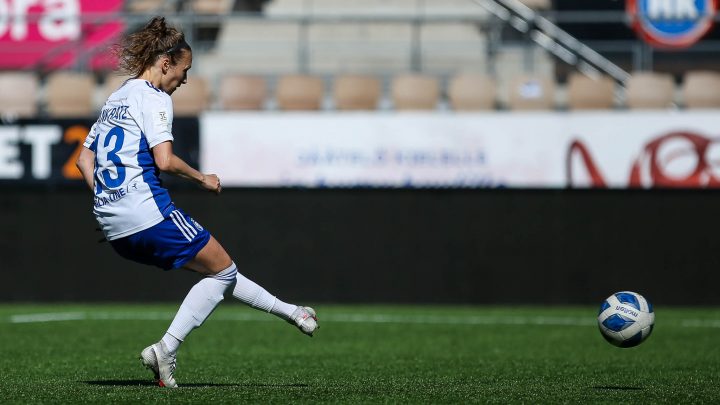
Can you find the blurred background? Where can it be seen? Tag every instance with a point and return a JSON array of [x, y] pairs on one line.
[[386, 151]]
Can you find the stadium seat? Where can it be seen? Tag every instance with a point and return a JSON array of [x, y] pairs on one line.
[[458, 9], [359, 47], [452, 46], [252, 45], [346, 7], [299, 92], [394, 8], [415, 92], [192, 98], [212, 6], [18, 94], [701, 89], [587, 93], [151, 6], [531, 93], [242, 92], [513, 61], [649, 90], [70, 94], [352, 92], [470, 91]]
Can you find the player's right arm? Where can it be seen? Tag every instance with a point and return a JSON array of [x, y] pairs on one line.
[[86, 160]]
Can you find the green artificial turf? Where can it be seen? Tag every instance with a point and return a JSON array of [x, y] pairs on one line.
[[361, 354]]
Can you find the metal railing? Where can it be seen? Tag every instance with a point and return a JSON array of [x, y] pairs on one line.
[[552, 38]]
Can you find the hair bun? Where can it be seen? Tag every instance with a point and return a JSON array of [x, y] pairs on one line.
[[141, 49], [158, 25]]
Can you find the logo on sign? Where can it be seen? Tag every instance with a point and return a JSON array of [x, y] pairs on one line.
[[671, 23], [674, 160]]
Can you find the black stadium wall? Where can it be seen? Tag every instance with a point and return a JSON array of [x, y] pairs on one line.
[[387, 245]]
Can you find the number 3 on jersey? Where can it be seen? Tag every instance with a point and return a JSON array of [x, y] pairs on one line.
[[118, 135]]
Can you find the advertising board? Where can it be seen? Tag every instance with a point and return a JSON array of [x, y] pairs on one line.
[[521, 150], [43, 152], [58, 33]]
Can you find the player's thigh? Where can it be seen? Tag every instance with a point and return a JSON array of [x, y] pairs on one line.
[[211, 259]]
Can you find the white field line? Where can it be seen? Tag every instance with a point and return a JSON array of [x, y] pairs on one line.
[[701, 323], [49, 317], [349, 318], [345, 318]]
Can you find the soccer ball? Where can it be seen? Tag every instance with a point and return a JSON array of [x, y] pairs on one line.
[[626, 319]]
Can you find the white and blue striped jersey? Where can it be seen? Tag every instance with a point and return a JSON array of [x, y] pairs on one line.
[[128, 194]]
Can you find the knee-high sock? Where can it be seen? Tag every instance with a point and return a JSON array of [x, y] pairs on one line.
[[205, 296], [257, 297], [199, 303]]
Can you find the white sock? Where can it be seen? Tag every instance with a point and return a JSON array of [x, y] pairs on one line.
[[171, 342], [199, 303], [257, 297]]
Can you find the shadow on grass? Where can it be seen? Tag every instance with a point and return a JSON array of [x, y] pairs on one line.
[[146, 383], [617, 388]]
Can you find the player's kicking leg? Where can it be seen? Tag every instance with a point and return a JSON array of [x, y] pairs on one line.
[[202, 300], [305, 319], [213, 257]]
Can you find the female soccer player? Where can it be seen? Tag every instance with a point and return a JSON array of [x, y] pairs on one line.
[[127, 147]]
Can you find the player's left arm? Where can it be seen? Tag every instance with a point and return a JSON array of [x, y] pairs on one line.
[[86, 164], [170, 163], [157, 117]]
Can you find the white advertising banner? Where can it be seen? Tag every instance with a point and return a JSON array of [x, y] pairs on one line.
[[499, 149]]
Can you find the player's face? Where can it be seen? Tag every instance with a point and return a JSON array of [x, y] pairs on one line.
[[177, 74]]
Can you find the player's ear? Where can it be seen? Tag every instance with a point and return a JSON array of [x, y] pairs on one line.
[[165, 64]]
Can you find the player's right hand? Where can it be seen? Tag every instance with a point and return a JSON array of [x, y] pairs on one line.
[[211, 182]]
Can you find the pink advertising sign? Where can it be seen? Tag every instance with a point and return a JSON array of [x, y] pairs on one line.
[[51, 34]]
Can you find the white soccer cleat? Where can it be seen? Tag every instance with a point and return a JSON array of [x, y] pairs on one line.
[[161, 363], [147, 356], [305, 319]]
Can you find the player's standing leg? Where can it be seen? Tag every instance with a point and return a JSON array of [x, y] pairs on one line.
[[221, 275]]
